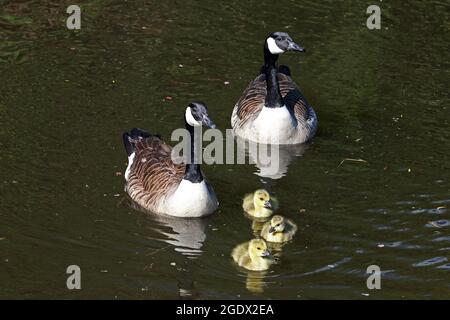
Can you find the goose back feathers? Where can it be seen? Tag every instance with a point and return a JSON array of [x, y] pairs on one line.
[[151, 171], [246, 111]]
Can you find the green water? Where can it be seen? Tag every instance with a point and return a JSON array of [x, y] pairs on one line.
[[381, 96]]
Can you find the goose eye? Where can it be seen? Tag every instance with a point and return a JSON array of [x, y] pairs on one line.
[[258, 248], [262, 199], [278, 224]]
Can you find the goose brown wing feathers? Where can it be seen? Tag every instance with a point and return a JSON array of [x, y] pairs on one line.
[[153, 173], [253, 98]]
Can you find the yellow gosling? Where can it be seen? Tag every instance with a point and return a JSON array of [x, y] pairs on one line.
[[260, 204], [253, 255], [279, 229]]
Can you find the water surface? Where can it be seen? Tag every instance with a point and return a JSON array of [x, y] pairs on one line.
[[66, 97]]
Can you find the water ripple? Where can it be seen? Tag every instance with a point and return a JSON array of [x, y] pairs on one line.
[[430, 262], [438, 223]]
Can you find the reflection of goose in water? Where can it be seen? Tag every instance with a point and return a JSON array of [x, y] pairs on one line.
[[271, 160], [187, 286], [187, 235]]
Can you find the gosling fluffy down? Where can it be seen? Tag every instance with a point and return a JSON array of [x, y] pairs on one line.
[[278, 229], [260, 204], [253, 255]]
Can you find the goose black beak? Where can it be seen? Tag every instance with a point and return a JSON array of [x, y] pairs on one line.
[[271, 230], [208, 122], [295, 47], [268, 205]]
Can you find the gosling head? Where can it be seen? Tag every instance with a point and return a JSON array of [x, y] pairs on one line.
[[196, 115], [280, 42], [258, 249], [261, 199], [277, 224]]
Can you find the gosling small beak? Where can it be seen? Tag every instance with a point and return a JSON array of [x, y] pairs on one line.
[[295, 47], [272, 230], [268, 205], [265, 254]]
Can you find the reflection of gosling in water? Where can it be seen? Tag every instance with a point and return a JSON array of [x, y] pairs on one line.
[[256, 281], [279, 229], [260, 204], [253, 255]]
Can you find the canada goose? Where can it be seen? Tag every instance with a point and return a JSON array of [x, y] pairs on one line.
[[158, 184], [260, 204], [253, 255], [278, 229], [272, 109]]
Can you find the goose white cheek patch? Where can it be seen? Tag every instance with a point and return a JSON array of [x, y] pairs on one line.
[[190, 119], [273, 48]]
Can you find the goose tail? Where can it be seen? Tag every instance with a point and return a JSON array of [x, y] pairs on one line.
[[135, 135]]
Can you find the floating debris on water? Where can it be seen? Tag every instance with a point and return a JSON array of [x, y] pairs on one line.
[[353, 160]]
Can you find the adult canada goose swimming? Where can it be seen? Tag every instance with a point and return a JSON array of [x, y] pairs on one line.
[[253, 255], [278, 229], [272, 109], [158, 184]]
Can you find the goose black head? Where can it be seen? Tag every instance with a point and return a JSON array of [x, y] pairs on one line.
[[279, 42], [197, 115]]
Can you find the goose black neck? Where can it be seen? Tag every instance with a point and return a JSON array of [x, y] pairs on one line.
[[193, 172], [273, 97]]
